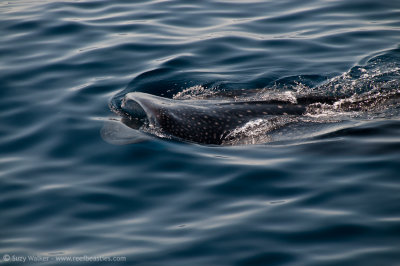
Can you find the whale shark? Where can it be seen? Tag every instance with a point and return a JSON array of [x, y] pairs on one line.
[[230, 122], [158, 104], [204, 121]]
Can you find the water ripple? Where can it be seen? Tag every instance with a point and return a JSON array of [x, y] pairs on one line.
[[329, 199]]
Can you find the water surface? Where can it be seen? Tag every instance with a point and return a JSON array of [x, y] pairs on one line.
[[327, 196]]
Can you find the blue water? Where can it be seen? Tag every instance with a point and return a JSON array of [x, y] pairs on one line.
[[330, 196]]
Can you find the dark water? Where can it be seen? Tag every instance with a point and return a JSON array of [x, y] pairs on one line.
[[325, 192]]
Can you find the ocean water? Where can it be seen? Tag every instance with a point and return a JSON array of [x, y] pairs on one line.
[[79, 186]]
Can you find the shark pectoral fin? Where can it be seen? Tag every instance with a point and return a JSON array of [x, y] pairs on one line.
[[118, 133]]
